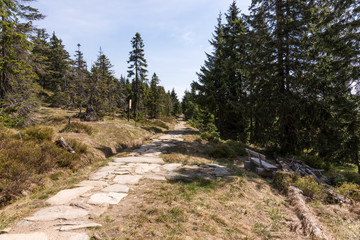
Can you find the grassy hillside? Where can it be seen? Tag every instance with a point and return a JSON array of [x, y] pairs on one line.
[[33, 165]]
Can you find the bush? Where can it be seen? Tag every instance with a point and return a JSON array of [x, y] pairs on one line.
[[160, 123], [310, 187], [78, 127], [315, 162], [352, 190], [283, 180], [39, 134], [22, 161], [237, 147], [352, 177], [211, 136], [222, 150], [77, 146]]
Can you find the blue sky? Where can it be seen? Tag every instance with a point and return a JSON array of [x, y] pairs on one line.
[[175, 32]]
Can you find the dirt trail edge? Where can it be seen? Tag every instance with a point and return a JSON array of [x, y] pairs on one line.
[[71, 211]]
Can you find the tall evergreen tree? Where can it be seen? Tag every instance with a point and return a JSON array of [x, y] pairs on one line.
[[137, 71], [15, 69]]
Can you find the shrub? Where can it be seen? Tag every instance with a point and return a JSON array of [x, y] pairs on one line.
[[222, 150], [352, 190], [211, 136], [160, 123], [315, 162], [237, 147], [77, 146], [353, 177], [78, 127], [39, 134], [310, 187], [283, 180]]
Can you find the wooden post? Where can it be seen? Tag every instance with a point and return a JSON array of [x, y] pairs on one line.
[[129, 110]]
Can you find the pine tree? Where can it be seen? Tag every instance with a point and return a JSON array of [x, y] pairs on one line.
[[16, 23], [80, 80], [101, 90], [137, 71], [154, 105]]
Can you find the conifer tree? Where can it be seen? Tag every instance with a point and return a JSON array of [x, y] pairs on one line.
[[138, 72]]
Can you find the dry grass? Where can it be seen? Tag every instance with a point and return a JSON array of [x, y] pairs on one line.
[[202, 209]]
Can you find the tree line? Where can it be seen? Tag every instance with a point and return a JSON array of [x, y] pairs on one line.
[[35, 66], [284, 77]]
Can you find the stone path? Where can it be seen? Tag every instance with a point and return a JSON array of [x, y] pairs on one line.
[[71, 211]]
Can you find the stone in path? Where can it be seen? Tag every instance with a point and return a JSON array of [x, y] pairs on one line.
[[127, 179], [171, 166], [116, 188], [139, 160], [78, 226], [92, 183], [70, 236], [109, 198], [58, 212], [144, 168], [29, 236], [65, 196]]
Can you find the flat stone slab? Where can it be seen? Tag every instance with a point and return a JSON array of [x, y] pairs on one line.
[[99, 175], [58, 212], [110, 198], [172, 166], [70, 236], [139, 160], [144, 168], [156, 177], [92, 183], [28, 236], [65, 196], [127, 179], [116, 188], [78, 226]]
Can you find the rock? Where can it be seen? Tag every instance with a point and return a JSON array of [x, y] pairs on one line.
[[6, 230], [172, 166], [58, 212], [99, 175], [28, 236], [156, 177], [127, 179], [65, 196], [109, 198], [92, 183], [139, 160], [221, 171], [121, 172], [144, 168], [78, 226], [70, 236], [116, 188]]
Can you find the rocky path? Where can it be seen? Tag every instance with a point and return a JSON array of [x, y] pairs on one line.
[[71, 211]]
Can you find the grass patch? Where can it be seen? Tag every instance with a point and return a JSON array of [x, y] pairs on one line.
[[78, 127]]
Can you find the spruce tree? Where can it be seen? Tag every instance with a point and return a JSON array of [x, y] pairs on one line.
[[138, 72]]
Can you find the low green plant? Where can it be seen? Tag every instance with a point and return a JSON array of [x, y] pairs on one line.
[[222, 150], [77, 146], [283, 180], [37, 133], [310, 187], [78, 127], [351, 190]]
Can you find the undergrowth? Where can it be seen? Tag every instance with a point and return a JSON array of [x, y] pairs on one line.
[[78, 127], [22, 161]]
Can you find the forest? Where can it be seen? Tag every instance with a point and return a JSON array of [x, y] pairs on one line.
[[36, 69], [284, 78]]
